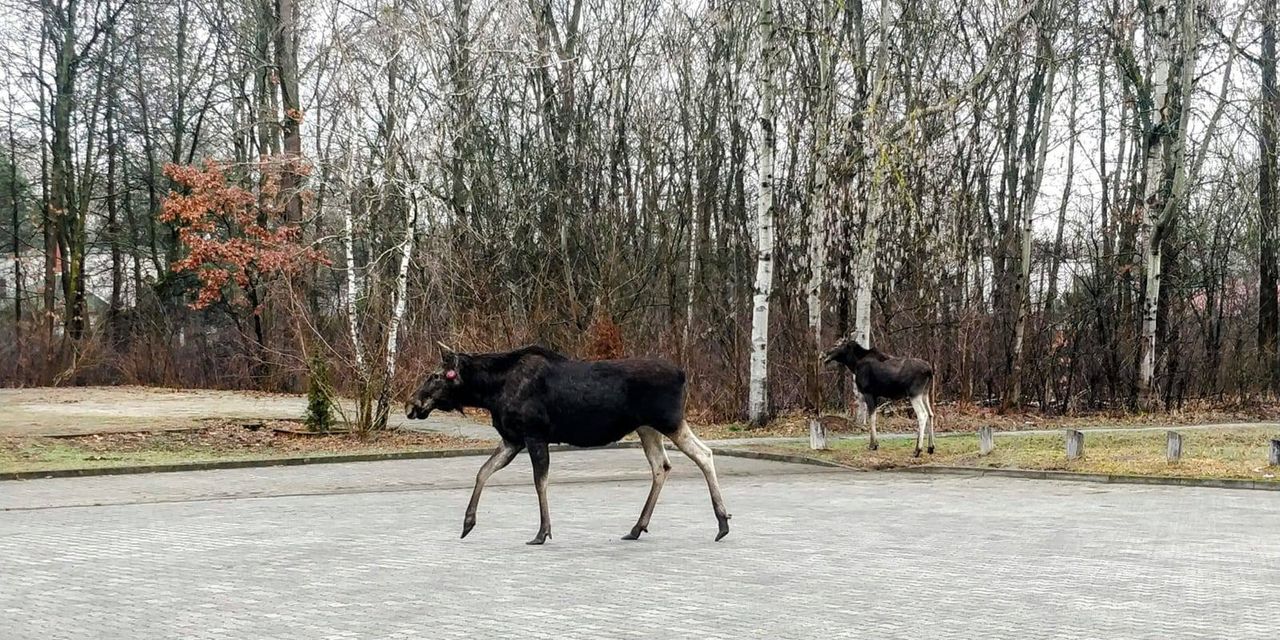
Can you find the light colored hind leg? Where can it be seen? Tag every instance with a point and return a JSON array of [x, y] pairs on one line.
[[872, 409], [922, 422], [928, 407], [659, 465], [700, 453]]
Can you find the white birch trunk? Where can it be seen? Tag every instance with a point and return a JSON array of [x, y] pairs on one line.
[[402, 285], [1160, 206], [818, 199], [354, 292], [1162, 26], [758, 401], [866, 264], [398, 307], [692, 276], [876, 143]]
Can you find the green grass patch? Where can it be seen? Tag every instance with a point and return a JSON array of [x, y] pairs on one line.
[[1206, 453]]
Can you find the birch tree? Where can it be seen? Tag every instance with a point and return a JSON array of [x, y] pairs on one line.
[[1174, 39], [878, 149], [819, 216], [758, 402]]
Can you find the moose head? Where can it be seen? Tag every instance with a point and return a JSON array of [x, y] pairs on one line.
[[847, 352], [442, 389]]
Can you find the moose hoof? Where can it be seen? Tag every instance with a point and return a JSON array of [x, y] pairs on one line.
[[540, 538], [873, 446], [635, 533], [916, 454], [724, 528], [467, 526], [930, 449]]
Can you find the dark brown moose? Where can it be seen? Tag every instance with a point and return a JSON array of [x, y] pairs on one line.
[[881, 378], [538, 397]]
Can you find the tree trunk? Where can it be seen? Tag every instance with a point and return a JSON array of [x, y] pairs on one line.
[[291, 122], [1055, 264], [877, 146], [62, 195], [1039, 110], [47, 219], [1268, 206], [1175, 34], [15, 211], [819, 216], [115, 304], [1164, 41], [397, 312], [758, 402]]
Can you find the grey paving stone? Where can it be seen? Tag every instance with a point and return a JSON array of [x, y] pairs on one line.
[[374, 553]]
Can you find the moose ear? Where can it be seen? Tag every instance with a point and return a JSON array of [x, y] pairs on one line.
[[448, 357]]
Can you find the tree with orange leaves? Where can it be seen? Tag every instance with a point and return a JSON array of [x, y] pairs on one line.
[[236, 241]]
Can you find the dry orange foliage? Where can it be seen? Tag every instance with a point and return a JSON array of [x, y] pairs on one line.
[[235, 238]]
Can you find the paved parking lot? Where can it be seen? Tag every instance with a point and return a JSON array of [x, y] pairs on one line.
[[371, 551]]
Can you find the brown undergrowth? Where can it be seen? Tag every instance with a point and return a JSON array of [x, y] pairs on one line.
[[230, 440]]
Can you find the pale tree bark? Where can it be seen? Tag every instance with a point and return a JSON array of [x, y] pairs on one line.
[[758, 385], [1163, 39], [818, 215], [1174, 37], [877, 143], [865, 279], [354, 290], [417, 199]]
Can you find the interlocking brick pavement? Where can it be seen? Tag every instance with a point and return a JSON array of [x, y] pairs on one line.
[[364, 552]]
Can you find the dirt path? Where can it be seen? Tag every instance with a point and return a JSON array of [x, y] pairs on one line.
[[63, 411]]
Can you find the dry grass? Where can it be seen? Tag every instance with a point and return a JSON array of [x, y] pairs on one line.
[[1206, 453], [224, 441], [898, 418]]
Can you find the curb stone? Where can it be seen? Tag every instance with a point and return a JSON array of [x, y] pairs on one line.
[[779, 457]]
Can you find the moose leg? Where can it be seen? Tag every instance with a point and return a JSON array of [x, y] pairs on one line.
[[541, 458], [701, 456], [871, 417], [928, 408], [922, 420], [651, 440], [502, 456]]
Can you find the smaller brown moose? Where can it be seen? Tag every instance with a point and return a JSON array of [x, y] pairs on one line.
[[881, 378]]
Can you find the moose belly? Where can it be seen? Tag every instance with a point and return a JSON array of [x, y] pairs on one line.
[[588, 432]]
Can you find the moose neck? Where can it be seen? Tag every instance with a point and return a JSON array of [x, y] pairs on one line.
[[482, 382], [485, 374]]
